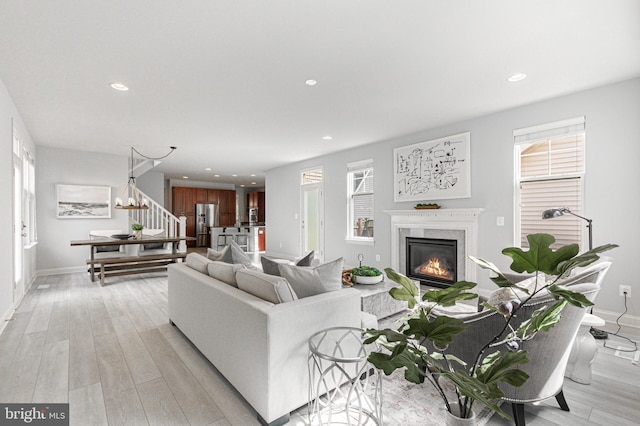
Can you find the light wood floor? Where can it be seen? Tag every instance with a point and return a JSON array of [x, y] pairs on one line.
[[111, 353]]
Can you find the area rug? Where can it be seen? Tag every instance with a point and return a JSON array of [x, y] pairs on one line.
[[403, 403]]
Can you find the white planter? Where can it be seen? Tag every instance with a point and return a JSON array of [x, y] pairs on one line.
[[366, 280], [453, 420]]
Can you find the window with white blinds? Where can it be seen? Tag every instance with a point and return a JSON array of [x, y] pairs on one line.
[[311, 176], [550, 167], [360, 203]]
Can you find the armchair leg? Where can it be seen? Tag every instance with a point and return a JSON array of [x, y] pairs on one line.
[[561, 401], [518, 413]]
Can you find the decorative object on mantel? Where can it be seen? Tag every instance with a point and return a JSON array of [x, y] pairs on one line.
[[430, 206], [419, 345], [134, 202], [137, 231], [433, 170], [83, 202]]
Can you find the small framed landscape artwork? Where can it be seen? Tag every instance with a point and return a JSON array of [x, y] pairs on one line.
[[433, 170], [83, 202]]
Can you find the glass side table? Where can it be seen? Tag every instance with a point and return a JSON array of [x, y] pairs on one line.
[[344, 388]]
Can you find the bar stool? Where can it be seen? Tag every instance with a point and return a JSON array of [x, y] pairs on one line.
[[225, 237], [242, 238]]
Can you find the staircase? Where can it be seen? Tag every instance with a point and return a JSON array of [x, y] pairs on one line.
[[156, 216]]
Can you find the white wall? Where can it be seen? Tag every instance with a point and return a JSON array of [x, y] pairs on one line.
[[9, 117], [152, 184], [73, 168], [613, 177]]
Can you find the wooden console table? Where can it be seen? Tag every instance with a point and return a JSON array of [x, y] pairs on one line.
[[124, 265]]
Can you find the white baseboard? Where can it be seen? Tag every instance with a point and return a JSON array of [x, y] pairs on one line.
[[6, 317], [59, 271], [630, 323]]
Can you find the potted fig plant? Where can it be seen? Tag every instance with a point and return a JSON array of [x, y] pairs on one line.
[[405, 347]]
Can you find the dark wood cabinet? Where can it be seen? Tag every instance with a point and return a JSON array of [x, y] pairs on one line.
[[256, 200], [184, 200]]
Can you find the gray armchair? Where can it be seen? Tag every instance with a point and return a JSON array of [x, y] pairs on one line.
[[548, 351]]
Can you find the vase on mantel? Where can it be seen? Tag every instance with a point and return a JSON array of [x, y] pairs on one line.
[[137, 235], [452, 418]]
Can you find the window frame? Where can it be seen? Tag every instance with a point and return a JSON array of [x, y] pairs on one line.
[[352, 169], [546, 133]]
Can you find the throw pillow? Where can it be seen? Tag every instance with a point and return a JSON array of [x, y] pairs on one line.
[[238, 255], [225, 272], [269, 266], [267, 287], [198, 262], [311, 281], [217, 254], [306, 261]]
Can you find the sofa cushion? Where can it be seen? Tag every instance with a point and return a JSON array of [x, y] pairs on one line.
[[225, 272], [198, 262], [270, 266], [311, 281], [267, 287], [217, 254]]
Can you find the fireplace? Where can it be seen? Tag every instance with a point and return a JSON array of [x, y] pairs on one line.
[[432, 261]]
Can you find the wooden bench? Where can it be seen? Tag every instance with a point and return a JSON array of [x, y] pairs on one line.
[[117, 266]]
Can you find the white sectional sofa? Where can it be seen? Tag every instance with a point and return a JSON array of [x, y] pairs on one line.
[[259, 346]]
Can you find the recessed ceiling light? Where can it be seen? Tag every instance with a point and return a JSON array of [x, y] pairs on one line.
[[242, 186], [253, 175], [327, 138], [119, 86], [216, 175], [253, 183], [185, 177], [234, 175], [517, 77], [310, 82], [208, 169]]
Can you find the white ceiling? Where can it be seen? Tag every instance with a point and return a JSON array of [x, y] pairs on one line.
[[224, 80]]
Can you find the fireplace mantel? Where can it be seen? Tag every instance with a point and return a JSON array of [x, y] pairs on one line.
[[465, 220]]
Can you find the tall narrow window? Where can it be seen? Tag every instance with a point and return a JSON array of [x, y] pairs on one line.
[[550, 169], [360, 201]]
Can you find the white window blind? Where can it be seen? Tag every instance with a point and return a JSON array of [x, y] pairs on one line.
[[311, 176], [550, 174], [361, 199]]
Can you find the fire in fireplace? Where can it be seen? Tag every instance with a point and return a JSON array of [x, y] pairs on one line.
[[432, 261]]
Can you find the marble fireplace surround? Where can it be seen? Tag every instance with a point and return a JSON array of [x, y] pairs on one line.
[[457, 224]]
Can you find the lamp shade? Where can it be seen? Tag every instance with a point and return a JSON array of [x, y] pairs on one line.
[[551, 213]]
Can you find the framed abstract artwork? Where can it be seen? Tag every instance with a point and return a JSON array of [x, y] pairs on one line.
[[433, 170], [83, 202]]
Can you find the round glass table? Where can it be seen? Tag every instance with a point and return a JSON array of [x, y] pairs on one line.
[[344, 388]]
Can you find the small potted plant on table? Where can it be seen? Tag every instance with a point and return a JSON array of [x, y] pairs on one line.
[[137, 231]]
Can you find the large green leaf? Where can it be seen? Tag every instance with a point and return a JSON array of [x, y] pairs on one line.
[[585, 259], [576, 299], [402, 356], [391, 336], [540, 256], [408, 290], [542, 319], [499, 279], [449, 296], [440, 330]]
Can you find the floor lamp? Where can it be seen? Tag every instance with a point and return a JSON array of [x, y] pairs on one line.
[[553, 213]]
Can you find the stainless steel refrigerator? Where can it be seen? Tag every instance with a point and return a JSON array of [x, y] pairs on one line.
[[207, 217]]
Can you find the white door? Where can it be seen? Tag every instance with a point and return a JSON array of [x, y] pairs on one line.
[[18, 223], [312, 223]]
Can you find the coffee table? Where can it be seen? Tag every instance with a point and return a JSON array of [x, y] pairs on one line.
[[377, 301]]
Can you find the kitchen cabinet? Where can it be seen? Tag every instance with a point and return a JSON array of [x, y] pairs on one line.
[[184, 200], [256, 200]]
